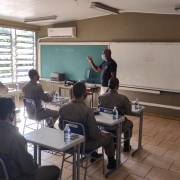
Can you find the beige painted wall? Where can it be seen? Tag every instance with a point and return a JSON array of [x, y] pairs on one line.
[[130, 27], [17, 25]]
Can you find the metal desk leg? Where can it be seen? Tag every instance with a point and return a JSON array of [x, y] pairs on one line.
[[35, 152], [140, 134], [74, 163], [120, 132], [92, 99], [17, 100], [118, 150], [78, 162], [118, 145], [39, 156], [60, 90]]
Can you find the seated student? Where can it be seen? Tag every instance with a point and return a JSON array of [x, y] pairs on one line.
[[14, 147], [77, 111], [35, 91], [112, 99]]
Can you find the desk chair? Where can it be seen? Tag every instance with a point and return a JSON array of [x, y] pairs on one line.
[[5, 170], [31, 104], [81, 128], [110, 111]]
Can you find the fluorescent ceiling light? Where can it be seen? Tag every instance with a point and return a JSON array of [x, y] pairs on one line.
[[104, 8], [47, 18], [177, 7]]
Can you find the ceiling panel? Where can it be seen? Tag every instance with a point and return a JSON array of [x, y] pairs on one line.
[[68, 10]]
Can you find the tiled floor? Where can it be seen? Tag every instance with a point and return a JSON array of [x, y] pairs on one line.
[[158, 160]]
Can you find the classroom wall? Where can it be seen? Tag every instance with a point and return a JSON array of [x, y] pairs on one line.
[[17, 25], [129, 27]]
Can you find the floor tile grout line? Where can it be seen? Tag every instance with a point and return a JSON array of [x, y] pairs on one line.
[[171, 165], [149, 172], [145, 158], [127, 176]]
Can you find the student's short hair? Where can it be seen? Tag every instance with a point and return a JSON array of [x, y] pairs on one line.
[[32, 73], [79, 89], [113, 82], [6, 107]]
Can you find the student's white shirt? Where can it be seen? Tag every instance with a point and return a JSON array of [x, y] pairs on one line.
[[103, 90]]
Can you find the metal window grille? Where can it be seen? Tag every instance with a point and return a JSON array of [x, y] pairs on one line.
[[17, 54]]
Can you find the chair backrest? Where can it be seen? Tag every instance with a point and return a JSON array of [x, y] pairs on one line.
[[109, 111], [87, 74], [80, 128], [29, 103], [5, 170]]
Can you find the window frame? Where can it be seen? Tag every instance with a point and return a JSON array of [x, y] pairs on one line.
[[23, 58]]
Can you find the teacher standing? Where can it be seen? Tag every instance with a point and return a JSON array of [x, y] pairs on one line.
[[108, 69]]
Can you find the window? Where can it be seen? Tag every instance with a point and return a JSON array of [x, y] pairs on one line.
[[17, 54]]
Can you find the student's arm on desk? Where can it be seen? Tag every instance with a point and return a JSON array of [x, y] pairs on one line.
[[94, 131], [60, 118], [44, 97], [127, 106]]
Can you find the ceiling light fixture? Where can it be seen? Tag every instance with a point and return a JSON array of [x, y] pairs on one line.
[[104, 8], [47, 18], [177, 7]]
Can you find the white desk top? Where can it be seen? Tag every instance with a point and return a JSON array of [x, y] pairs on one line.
[[107, 119], [12, 92], [59, 100], [52, 139], [137, 111]]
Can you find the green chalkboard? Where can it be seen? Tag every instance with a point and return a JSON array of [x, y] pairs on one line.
[[71, 60]]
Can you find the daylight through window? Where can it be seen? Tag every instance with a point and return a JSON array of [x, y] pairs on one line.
[[17, 54]]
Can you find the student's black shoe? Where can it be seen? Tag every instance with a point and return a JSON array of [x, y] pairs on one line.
[[95, 156], [111, 164], [127, 149]]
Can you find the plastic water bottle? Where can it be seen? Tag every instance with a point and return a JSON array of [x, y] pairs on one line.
[[57, 95], [136, 104], [17, 87], [67, 133], [115, 113]]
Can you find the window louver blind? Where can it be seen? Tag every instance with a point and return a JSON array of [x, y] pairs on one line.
[[25, 54], [6, 63], [17, 54]]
